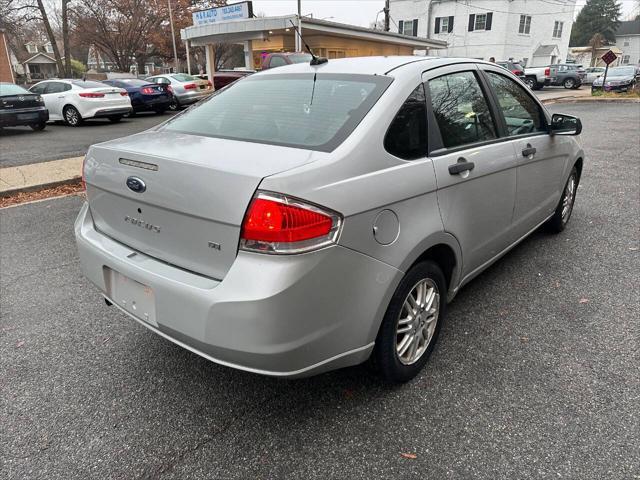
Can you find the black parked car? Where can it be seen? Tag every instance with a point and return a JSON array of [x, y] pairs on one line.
[[21, 107], [619, 79], [145, 96]]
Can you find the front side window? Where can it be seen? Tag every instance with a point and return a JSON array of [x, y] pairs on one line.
[[311, 111], [461, 110], [39, 88], [521, 113], [407, 134], [525, 24], [56, 87], [557, 29]]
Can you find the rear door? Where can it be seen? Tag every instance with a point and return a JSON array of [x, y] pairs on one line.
[[541, 158], [475, 171]]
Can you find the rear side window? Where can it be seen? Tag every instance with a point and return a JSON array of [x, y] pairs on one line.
[[521, 113], [312, 111], [407, 134], [461, 110]]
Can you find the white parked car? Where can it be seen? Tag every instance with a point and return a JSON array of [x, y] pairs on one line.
[[76, 100], [593, 73]]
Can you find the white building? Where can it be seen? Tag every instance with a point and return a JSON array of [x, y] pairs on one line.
[[628, 41], [534, 32]]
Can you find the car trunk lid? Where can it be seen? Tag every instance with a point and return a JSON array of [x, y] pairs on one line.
[[17, 102], [192, 193]]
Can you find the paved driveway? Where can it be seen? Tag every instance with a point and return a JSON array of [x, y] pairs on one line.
[[535, 375], [21, 145]]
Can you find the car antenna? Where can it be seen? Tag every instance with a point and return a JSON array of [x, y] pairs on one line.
[[314, 60]]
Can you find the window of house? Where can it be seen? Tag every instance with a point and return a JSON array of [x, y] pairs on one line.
[[521, 113], [480, 21], [461, 110], [407, 134], [408, 27], [625, 59], [444, 25], [48, 48], [31, 48], [557, 29], [525, 24]]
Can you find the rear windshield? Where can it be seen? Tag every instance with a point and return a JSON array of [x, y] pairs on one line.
[[134, 82], [182, 77], [10, 89], [286, 109], [87, 84]]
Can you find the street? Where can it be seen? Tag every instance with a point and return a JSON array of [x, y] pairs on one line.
[[535, 374], [21, 145]]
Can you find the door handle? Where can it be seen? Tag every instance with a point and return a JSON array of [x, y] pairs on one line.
[[529, 151], [61, 96], [461, 166]]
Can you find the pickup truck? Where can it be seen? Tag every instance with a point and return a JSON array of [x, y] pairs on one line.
[[561, 74], [537, 77]]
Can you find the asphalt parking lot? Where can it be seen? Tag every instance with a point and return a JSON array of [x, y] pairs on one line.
[[535, 374], [21, 145]]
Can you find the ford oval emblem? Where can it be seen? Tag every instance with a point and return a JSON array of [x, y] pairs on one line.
[[136, 184]]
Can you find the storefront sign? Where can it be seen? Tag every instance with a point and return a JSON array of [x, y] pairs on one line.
[[235, 11]]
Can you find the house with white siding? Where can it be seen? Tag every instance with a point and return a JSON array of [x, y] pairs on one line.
[[534, 32], [628, 41]]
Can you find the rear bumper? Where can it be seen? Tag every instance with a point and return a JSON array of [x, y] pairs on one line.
[[286, 316], [189, 97], [108, 112], [25, 116], [151, 104]]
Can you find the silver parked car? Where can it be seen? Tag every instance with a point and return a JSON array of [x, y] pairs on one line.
[[314, 217], [186, 89]]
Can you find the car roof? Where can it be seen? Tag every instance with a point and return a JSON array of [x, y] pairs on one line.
[[371, 65]]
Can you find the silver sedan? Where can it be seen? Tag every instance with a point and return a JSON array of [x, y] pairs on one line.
[[314, 217], [186, 89]]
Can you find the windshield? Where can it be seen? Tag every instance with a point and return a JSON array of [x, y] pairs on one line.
[[300, 58], [286, 109], [10, 89], [183, 77], [88, 84], [622, 71]]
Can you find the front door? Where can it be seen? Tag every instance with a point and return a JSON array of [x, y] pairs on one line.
[[541, 158], [54, 98], [475, 172]]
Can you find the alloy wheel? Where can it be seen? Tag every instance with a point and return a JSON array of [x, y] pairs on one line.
[[568, 198], [72, 116], [417, 321], [569, 83]]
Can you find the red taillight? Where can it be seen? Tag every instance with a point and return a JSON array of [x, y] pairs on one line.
[[147, 90], [547, 72], [123, 94], [190, 86], [278, 224], [517, 72], [91, 95]]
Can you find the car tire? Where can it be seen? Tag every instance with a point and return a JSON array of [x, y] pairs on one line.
[[396, 357], [72, 116], [115, 118], [532, 83], [38, 126], [174, 106], [569, 83], [558, 222]]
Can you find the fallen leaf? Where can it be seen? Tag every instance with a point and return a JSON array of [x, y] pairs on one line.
[[524, 339], [584, 300], [20, 343], [410, 456]]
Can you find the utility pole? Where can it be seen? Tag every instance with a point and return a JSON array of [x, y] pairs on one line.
[[298, 42], [386, 15], [173, 37]]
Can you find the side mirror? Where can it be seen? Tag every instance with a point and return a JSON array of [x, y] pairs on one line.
[[565, 125]]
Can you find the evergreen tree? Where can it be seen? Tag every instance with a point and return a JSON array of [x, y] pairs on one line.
[[597, 16]]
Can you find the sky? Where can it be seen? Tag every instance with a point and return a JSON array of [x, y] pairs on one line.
[[354, 12]]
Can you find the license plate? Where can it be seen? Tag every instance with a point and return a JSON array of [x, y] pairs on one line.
[[135, 298], [27, 116]]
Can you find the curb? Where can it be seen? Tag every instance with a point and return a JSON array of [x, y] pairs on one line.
[[38, 187], [39, 176], [589, 100]]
